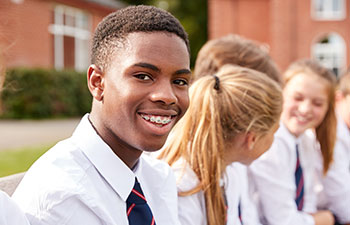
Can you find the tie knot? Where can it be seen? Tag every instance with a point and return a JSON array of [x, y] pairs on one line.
[[136, 196], [137, 208]]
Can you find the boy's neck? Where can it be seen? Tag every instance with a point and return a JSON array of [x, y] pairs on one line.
[[125, 152]]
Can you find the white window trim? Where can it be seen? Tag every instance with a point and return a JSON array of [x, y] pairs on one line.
[[328, 15], [330, 50], [59, 30]]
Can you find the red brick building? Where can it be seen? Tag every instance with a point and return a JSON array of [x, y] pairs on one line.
[[50, 33], [292, 29]]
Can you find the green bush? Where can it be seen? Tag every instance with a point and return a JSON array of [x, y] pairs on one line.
[[42, 93]]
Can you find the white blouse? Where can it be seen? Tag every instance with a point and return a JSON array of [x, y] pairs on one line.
[[192, 210], [334, 188], [274, 180]]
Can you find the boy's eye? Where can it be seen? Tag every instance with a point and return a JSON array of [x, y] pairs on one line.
[[143, 77], [181, 82]]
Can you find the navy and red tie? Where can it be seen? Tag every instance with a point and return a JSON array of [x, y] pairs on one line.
[[240, 212], [299, 182], [138, 211]]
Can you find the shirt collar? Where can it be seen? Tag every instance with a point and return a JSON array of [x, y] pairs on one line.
[[108, 164], [284, 133], [291, 140]]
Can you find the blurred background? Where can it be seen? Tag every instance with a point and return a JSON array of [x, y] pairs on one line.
[[44, 54]]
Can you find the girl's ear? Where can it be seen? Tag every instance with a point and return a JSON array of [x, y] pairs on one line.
[[251, 139], [95, 78], [339, 96]]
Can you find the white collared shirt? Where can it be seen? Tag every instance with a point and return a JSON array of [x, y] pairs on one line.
[[81, 181], [192, 210], [248, 207], [335, 186], [343, 142], [10, 214], [274, 180]]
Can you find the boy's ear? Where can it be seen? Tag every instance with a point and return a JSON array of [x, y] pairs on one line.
[[95, 78], [251, 139]]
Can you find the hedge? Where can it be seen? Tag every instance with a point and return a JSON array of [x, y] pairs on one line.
[[43, 93]]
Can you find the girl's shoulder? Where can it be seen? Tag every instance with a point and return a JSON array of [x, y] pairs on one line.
[[186, 179]]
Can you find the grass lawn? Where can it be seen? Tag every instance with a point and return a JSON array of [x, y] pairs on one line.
[[19, 160]]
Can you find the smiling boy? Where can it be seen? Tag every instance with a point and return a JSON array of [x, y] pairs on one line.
[[139, 79]]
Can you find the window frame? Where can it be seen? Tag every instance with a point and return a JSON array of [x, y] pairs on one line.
[[334, 53], [80, 31], [328, 13]]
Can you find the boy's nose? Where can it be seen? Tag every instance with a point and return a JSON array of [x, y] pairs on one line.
[[164, 93]]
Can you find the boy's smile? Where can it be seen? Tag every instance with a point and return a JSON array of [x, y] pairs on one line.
[[143, 93]]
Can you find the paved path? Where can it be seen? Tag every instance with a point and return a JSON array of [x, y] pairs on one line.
[[25, 133]]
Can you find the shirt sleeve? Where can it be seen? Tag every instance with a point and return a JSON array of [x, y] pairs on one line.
[[273, 176], [169, 211], [68, 211], [191, 208], [10, 213], [336, 185], [249, 210]]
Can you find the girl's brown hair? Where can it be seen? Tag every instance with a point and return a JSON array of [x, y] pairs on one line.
[[326, 131], [236, 50], [238, 100]]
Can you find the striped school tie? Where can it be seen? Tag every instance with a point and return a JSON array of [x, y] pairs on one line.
[[138, 211], [299, 182], [225, 201], [240, 212]]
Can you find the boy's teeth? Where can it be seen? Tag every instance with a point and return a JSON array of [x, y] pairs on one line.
[[161, 120]]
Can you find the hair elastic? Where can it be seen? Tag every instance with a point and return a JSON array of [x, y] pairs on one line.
[[217, 83]]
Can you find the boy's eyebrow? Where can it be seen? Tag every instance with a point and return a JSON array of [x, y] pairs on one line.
[[147, 66], [156, 69], [183, 71]]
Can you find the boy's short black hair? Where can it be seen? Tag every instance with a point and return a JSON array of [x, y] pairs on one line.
[[112, 30]]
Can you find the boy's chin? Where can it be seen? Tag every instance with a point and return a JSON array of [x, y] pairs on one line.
[[152, 148]]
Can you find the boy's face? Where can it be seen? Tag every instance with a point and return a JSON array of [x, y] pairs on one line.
[[145, 91]]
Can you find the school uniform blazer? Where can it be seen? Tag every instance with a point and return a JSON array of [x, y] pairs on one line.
[[10, 213], [81, 181], [273, 176], [192, 210], [334, 187]]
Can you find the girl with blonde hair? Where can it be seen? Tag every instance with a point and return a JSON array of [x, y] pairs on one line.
[[232, 117], [235, 50], [285, 177]]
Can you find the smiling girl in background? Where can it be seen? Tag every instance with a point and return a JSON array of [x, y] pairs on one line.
[[285, 176]]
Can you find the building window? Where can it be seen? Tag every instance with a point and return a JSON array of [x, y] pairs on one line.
[[328, 9], [71, 31], [330, 50]]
